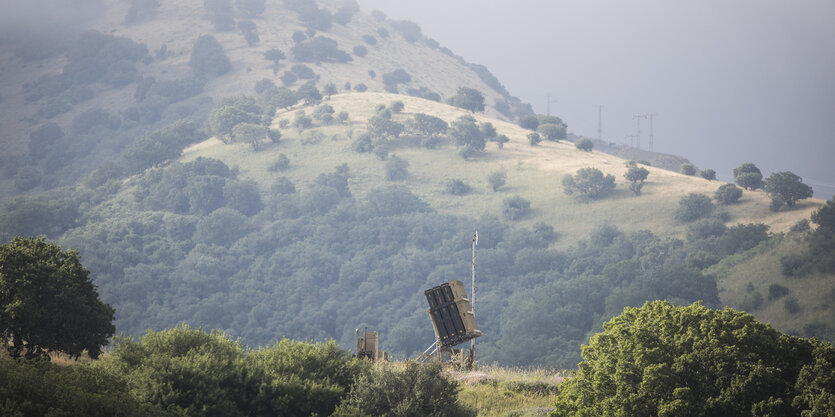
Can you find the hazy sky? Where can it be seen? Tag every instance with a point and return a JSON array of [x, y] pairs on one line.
[[730, 81]]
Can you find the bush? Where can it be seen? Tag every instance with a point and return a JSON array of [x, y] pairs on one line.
[[584, 144], [469, 99], [208, 59], [280, 164], [776, 291], [457, 187], [552, 131], [748, 176], [319, 49], [397, 169], [369, 39], [688, 169], [794, 265], [282, 186], [534, 138], [497, 180], [708, 174], [416, 390], [410, 30], [727, 194], [515, 208], [693, 207], [398, 76], [360, 51]]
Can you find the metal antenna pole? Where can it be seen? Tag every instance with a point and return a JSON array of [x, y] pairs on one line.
[[472, 290], [651, 139], [638, 117]]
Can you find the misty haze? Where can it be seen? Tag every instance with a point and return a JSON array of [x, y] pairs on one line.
[[264, 197]]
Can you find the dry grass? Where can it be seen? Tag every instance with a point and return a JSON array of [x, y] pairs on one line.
[[533, 172], [498, 391]]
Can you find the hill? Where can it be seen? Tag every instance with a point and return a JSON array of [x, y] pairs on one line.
[[299, 211]]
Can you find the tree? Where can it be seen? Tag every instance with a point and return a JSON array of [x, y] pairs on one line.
[[589, 182], [319, 49], [274, 55], [552, 131], [208, 58], [497, 180], [465, 132], [250, 8], [530, 122], [469, 99], [727, 194], [693, 207], [428, 125], [636, 176], [748, 176], [309, 93], [457, 187], [515, 208], [330, 89], [688, 169], [584, 144], [397, 169], [501, 140], [787, 187], [360, 51], [534, 138], [663, 360], [381, 126], [708, 174], [49, 302]]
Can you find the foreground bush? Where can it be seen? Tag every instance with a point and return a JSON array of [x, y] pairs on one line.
[[663, 360]]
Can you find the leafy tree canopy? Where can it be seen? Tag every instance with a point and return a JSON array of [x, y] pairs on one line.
[[748, 176], [469, 99], [663, 360], [49, 302], [589, 182], [787, 187], [208, 59]]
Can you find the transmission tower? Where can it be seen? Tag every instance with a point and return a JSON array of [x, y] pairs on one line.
[[638, 118], [548, 103], [651, 139]]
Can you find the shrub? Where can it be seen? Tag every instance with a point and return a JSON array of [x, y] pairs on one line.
[[515, 208], [360, 87], [416, 390], [748, 176], [727, 194], [776, 291], [280, 164], [688, 169], [282, 186], [396, 106], [457, 187], [303, 72], [794, 265], [208, 59], [263, 85], [360, 51], [469, 99], [584, 144], [497, 180], [319, 49], [693, 207], [410, 30], [534, 138], [397, 169], [369, 39], [552, 131], [792, 306], [708, 174]]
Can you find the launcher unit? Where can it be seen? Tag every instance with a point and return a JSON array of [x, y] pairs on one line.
[[452, 317]]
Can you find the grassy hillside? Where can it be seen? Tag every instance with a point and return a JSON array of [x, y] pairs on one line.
[[533, 172], [753, 282]]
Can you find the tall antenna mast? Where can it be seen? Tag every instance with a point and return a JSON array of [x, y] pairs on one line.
[[651, 139], [472, 290], [638, 117]]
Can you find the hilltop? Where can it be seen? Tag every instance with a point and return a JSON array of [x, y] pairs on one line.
[[227, 195]]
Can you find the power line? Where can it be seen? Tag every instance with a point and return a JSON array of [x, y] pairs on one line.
[[638, 118], [651, 139]]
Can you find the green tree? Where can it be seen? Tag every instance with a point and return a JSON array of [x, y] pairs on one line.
[[584, 144], [663, 360], [469, 99], [250, 133], [534, 138], [727, 194], [49, 302], [788, 187], [418, 390], [693, 207], [501, 140], [465, 132], [208, 59], [383, 127], [748, 176], [552, 131], [636, 176], [497, 180], [589, 182], [309, 93], [397, 169], [708, 174], [428, 125], [688, 169], [515, 208], [456, 186]]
